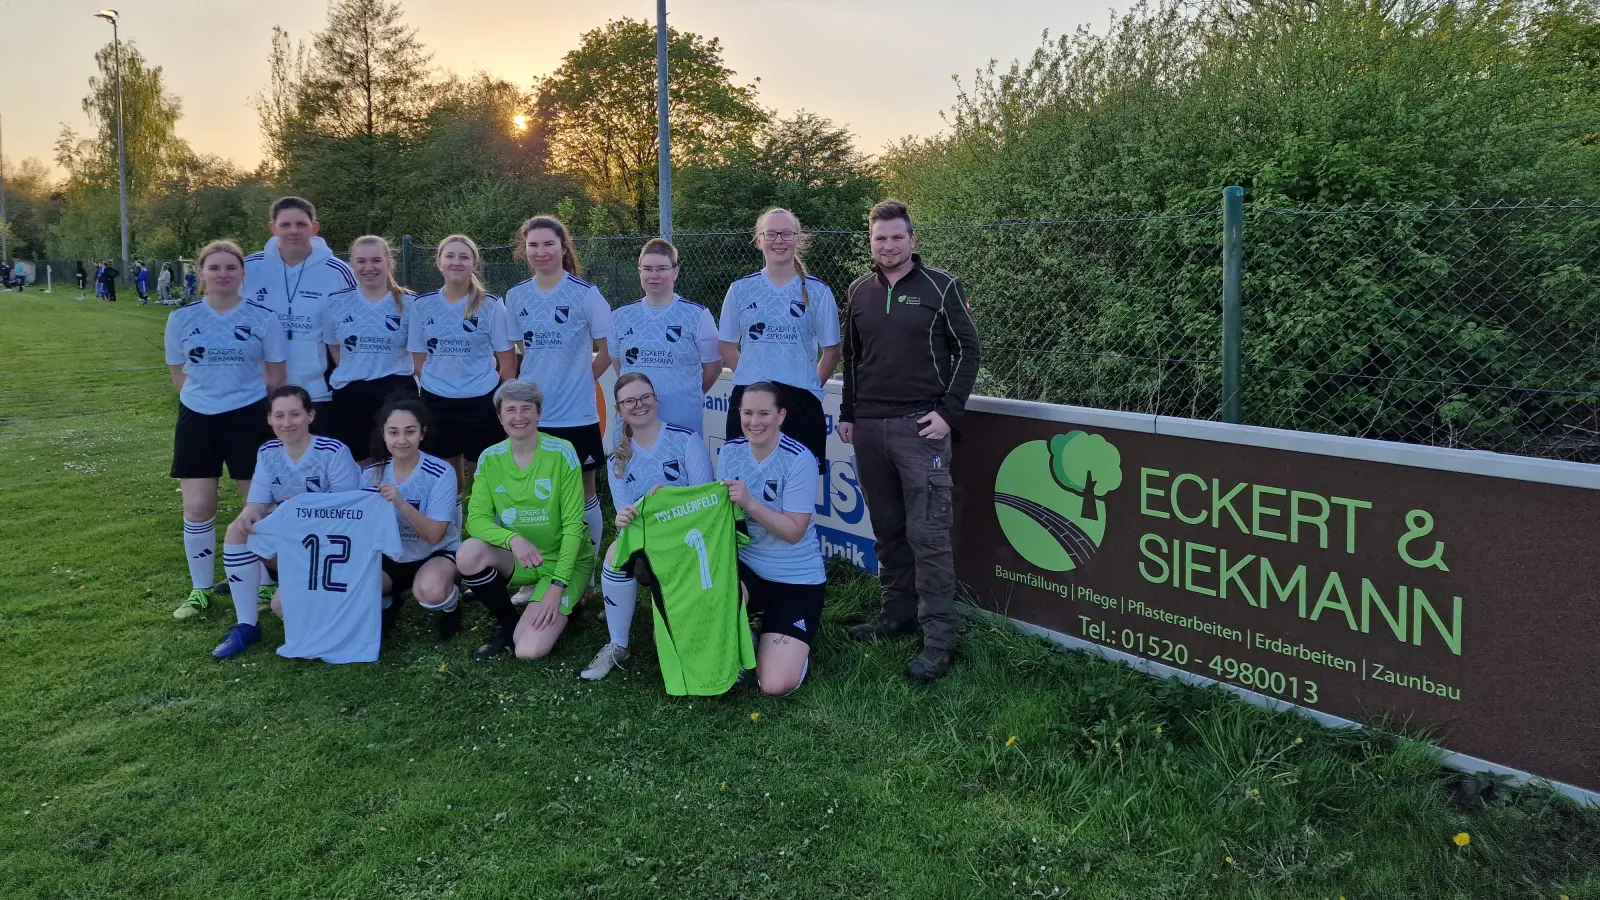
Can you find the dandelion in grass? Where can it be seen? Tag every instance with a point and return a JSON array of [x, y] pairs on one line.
[[1462, 839], [755, 716], [1228, 860], [441, 667], [1011, 741], [1299, 740]]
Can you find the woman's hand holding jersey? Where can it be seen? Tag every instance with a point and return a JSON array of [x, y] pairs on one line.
[[785, 526]]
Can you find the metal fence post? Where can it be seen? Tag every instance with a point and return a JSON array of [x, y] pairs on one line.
[[405, 261], [1232, 314]]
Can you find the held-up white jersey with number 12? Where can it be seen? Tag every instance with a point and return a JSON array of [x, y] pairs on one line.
[[330, 572]]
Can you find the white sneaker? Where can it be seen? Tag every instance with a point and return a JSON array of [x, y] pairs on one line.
[[609, 657], [521, 597]]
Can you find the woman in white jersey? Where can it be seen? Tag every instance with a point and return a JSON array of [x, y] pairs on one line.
[[367, 334], [564, 325], [294, 462], [224, 353], [668, 338], [782, 326], [773, 478], [423, 491], [461, 341], [650, 453]]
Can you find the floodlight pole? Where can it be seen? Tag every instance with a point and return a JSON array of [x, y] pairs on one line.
[[111, 15], [663, 126], [5, 227]]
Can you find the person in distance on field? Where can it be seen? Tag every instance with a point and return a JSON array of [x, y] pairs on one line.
[[460, 340], [423, 491], [650, 453], [108, 280], [225, 353], [671, 339], [293, 277], [774, 479], [782, 326], [294, 462], [368, 330], [525, 518], [910, 360]]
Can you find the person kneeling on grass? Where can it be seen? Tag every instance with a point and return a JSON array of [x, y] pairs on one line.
[[423, 491], [650, 453], [525, 521], [297, 462], [774, 479]]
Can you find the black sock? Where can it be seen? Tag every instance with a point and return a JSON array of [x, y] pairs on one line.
[[493, 590]]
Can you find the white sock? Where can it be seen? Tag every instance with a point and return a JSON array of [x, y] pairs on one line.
[[200, 545], [622, 595], [591, 517], [244, 580]]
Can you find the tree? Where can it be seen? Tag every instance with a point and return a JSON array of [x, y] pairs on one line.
[[89, 225], [358, 101], [289, 69], [202, 197], [599, 109], [475, 169], [805, 164], [33, 204]]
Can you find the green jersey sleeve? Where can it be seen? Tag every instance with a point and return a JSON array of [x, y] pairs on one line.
[[483, 520], [569, 499]]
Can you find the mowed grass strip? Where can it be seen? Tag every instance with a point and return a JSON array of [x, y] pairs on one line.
[[137, 767]]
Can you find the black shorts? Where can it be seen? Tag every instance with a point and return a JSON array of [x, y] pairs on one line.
[[402, 574], [351, 415], [790, 609], [804, 420], [586, 440], [202, 443], [462, 426]]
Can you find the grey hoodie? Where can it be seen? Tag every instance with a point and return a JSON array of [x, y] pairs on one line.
[[268, 282]]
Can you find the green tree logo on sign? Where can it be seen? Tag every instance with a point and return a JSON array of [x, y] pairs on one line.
[[1047, 497]]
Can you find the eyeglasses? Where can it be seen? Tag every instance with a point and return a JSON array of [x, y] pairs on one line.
[[655, 270], [633, 403], [780, 235]]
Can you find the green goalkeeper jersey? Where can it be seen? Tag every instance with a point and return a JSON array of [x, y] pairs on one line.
[[543, 503], [701, 625]]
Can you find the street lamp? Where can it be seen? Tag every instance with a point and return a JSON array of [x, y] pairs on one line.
[[110, 15], [663, 127]]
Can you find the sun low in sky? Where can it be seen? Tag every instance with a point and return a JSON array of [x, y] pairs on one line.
[[826, 56]]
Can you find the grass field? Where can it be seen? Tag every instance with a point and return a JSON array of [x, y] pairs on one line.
[[135, 766]]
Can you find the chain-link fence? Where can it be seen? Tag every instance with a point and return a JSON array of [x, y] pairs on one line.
[[1457, 326]]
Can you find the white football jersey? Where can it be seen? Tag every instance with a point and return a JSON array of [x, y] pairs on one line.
[[678, 459], [778, 331], [326, 467], [330, 551], [372, 337], [431, 490], [558, 330], [785, 481], [460, 348], [670, 344]]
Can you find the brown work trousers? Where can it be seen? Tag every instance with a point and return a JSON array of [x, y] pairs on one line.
[[906, 480]]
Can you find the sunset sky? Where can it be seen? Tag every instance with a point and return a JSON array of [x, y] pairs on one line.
[[884, 69]]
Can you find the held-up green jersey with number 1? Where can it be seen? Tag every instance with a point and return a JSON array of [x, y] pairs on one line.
[[702, 627]]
